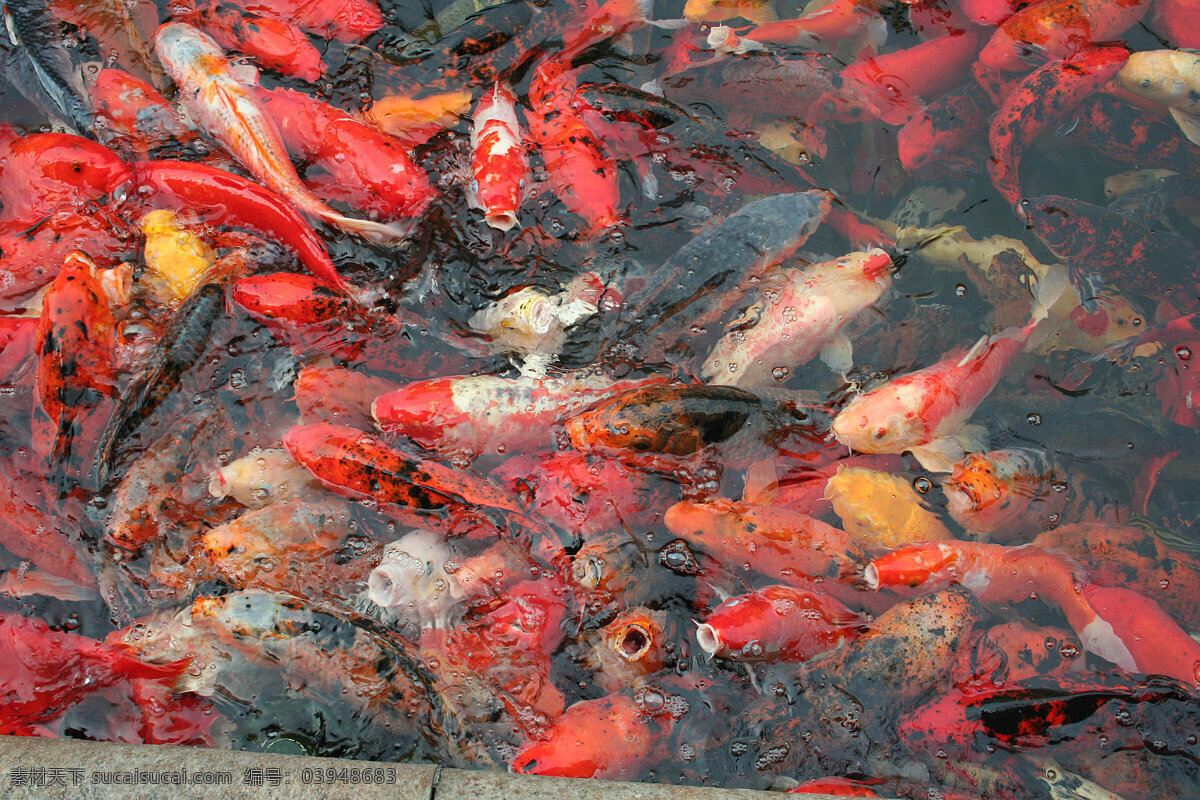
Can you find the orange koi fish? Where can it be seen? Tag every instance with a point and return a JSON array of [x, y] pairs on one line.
[[822, 29], [778, 623], [499, 166], [226, 108], [274, 43], [1008, 495], [344, 20], [610, 738], [75, 353], [925, 412], [136, 116], [581, 172], [760, 11], [1058, 29]]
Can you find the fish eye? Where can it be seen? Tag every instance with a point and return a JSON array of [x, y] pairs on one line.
[[880, 433], [641, 444], [1146, 83]]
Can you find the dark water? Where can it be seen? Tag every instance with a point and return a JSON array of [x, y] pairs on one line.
[[1104, 424]]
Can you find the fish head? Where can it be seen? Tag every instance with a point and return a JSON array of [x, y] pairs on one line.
[[704, 11], [875, 423], [912, 566], [1152, 75]]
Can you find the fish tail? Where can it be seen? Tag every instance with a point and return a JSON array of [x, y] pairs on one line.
[[379, 233]]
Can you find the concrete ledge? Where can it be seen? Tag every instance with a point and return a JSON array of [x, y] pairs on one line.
[[68, 769]]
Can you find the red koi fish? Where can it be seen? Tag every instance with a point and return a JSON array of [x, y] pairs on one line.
[[50, 172], [291, 298], [75, 342], [336, 394], [778, 623], [472, 415], [32, 256], [943, 127], [45, 672], [226, 109], [838, 787], [273, 43], [896, 83], [355, 464], [821, 30], [1043, 100], [37, 536], [344, 20], [1058, 29], [1153, 641], [611, 738], [605, 21], [996, 84], [137, 118], [229, 199], [925, 412], [1032, 651], [580, 170], [993, 12], [364, 168], [1122, 133], [499, 166], [1178, 21]]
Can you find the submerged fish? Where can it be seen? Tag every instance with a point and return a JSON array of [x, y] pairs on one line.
[[40, 68]]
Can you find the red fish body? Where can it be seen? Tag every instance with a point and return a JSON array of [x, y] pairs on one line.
[[1041, 101], [473, 415], [498, 164], [136, 115], [1133, 257], [230, 199], [1058, 29], [1178, 21], [291, 298], [1153, 640], [50, 172], [32, 256], [777, 623], [336, 394], [943, 127], [363, 166], [1124, 134], [75, 351], [45, 672], [993, 12], [273, 43], [581, 172], [344, 20], [611, 738], [822, 29], [895, 84]]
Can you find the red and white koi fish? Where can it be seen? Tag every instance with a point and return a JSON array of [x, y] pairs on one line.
[[778, 623], [925, 412], [800, 314], [499, 165], [471, 415], [225, 107], [822, 29], [1153, 641]]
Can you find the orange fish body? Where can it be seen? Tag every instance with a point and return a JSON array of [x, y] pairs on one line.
[[499, 166], [227, 109], [75, 342], [777, 542], [33, 258], [611, 738], [1058, 29], [777, 623], [1153, 640], [357, 465], [822, 29], [581, 172], [344, 20], [273, 43]]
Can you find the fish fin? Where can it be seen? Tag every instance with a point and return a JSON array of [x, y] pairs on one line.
[[972, 438], [39, 581], [838, 354], [380, 233], [536, 365], [623, 44], [975, 350], [721, 593], [1189, 124], [1099, 637], [762, 483], [1050, 288], [1089, 288], [244, 71], [669, 24], [762, 14], [1064, 130], [940, 455]]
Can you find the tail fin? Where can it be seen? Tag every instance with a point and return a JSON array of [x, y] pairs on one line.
[[380, 233]]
